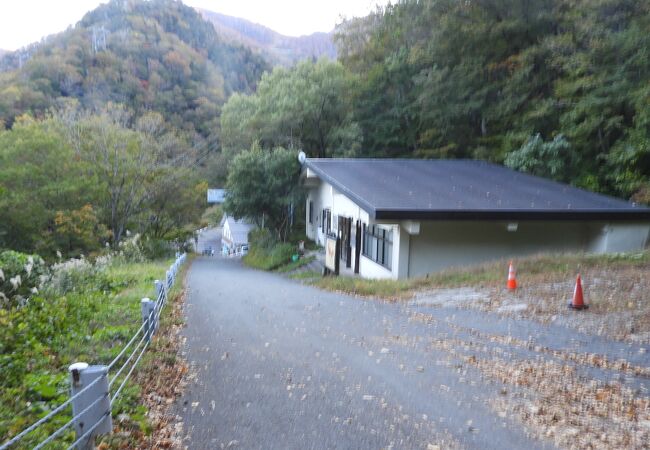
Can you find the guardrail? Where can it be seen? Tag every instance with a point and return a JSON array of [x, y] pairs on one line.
[[91, 386]]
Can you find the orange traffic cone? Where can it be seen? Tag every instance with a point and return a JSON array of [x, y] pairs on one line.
[[512, 281], [578, 300]]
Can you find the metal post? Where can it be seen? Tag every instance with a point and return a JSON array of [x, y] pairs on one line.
[[148, 317], [95, 399]]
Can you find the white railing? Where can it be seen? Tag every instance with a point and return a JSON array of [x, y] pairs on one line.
[[91, 386]]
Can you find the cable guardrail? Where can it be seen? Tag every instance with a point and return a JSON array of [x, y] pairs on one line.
[[96, 377], [137, 347], [117, 358], [70, 422], [45, 419], [119, 389]]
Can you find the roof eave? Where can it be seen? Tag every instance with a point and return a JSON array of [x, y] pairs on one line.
[[363, 204], [516, 214]]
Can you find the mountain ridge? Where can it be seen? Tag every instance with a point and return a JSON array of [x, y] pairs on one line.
[[280, 49], [156, 55]]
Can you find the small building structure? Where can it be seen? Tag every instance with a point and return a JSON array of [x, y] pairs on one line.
[[400, 218], [216, 196], [234, 235]]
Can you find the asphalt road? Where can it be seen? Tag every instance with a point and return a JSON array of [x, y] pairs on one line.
[[280, 365]]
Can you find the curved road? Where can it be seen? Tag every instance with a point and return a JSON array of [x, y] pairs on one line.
[[280, 365]]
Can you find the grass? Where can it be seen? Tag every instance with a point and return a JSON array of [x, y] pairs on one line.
[[309, 274], [293, 265], [487, 274], [158, 375], [39, 341], [269, 258]]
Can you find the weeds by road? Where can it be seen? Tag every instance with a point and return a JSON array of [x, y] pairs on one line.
[[88, 313], [616, 288]]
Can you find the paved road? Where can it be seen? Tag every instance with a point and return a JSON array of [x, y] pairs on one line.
[[279, 365]]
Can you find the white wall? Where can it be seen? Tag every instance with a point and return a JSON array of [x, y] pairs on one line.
[[323, 195]]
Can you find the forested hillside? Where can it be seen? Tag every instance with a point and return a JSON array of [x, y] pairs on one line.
[[278, 48], [559, 88], [109, 127], [147, 55]]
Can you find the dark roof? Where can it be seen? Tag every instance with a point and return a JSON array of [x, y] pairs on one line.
[[463, 189]]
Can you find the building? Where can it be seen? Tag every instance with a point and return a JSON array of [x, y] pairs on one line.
[[235, 235], [216, 196], [405, 218]]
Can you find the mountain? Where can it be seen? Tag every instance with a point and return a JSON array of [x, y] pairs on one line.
[[156, 55], [280, 49]]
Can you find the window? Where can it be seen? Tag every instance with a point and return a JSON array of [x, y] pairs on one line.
[[311, 212], [378, 245], [326, 225]]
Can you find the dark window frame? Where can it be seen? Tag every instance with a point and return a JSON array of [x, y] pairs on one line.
[[326, 222], [378, 245], [311, 212]]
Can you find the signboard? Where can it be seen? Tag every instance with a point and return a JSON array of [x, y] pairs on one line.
[[331, 255]]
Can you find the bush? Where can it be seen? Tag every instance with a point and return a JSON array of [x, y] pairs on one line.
[[78, 275], [157, 248], [212, 216], [266, 253], [130, 250], [21, 276]]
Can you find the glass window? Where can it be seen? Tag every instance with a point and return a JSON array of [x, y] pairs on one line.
[[378, 244]]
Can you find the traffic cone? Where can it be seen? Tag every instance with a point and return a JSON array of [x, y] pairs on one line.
[[578, 299], [512, 281]]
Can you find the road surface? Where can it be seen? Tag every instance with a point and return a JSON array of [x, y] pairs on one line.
[[279, 365]]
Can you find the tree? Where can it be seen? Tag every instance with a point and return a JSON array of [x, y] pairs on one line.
[[130, 165], [262, 186], [39, 175], [554, 159], [308, 107], [79, 231]]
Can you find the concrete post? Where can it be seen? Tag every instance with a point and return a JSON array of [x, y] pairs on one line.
[[147, 307], [81, 375], [160, 288]]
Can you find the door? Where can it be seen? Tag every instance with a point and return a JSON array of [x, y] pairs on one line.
[[345, 230], [357, 246]]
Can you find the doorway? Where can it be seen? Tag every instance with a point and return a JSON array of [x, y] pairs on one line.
[[345, 228]]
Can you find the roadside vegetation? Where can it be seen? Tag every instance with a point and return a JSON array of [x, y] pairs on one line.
[[267, 253], [492, 274], [212, 216], [74, 310], [615, 287]]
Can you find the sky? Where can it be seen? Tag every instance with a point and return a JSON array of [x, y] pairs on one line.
[[25, 21]]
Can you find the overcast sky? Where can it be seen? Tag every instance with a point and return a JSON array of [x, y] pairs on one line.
[[25, 21]]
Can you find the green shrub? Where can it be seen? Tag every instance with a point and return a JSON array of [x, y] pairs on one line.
[[261, 238], [267, 256], [21, 276], [157, 248], [130, 250], [212, 216]]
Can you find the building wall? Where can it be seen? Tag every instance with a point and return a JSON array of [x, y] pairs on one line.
[[440, 245], [621, 237], [323, 195]]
